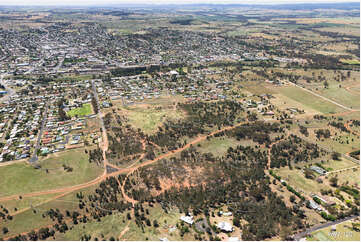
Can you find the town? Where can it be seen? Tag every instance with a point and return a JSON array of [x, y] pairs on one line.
[[192, 123]]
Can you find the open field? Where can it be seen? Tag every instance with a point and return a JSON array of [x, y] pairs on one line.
[[148, 117], [218, 146], [118, 226], [32, 218], [21, 177], [297, 180], [309, 100], [351, 177], [74, 77], [18, 205], [337, 165], [283, 102], [341, 95], [335, 144], [351, 62], [86, 109]]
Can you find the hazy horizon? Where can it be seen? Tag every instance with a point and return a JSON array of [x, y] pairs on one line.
[[153, 2]]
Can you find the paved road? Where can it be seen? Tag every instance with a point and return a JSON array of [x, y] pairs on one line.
[[34, 158], [324, 98], [322, 226]]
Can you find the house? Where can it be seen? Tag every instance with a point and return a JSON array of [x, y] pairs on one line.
[[187, 219], [318, 169], [225, 226], [314, 205], [270, 113], [324, 200], [173, 73], [225, 213], [234, 239]]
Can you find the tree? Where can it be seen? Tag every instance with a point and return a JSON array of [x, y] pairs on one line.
[[336, 156], [292, 198], [155, 223], [33, 236], [325, 84], [333, 181], [236, 222], [308, 173], [5, 230]]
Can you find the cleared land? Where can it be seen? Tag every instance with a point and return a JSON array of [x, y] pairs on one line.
[[298, 181], [149, 117], [22, 177], [309, 100]]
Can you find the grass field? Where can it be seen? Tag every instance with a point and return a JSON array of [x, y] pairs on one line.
[[74, 77], [283, 102], [149, 117], [309, 100], [343, 232], [115, 224], [29, 220], [20, 178], [350, 176], [86, 109], [218, 146], [350, 62], [297, 180], [336, 145], [26, 202], [337, 165], [340, 95]]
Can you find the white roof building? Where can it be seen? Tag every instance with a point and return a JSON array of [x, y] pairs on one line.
[[225, 226], [226, 213], [187, 219], [173, 72], [233, 239]]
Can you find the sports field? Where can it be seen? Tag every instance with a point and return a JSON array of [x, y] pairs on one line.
[[86, 109]]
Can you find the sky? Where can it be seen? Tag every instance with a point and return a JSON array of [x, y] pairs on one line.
[[105, 2]]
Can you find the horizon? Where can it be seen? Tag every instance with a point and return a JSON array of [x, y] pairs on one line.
[[95, 3]]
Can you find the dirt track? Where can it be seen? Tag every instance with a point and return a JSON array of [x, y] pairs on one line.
[[149, 162], [128, 170]]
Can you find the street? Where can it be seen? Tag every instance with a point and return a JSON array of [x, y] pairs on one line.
[[301, 235], [34, 158]]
